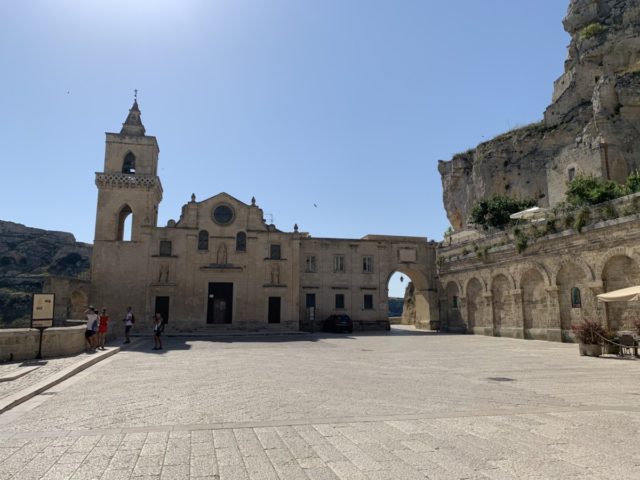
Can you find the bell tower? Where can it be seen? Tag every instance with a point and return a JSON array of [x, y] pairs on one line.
[[129, 189]]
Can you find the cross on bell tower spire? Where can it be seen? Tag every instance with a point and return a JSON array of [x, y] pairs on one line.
[[133, 126]]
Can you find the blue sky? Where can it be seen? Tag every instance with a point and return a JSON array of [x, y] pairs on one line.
[[346, 104]]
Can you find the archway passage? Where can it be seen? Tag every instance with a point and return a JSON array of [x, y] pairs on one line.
[[416, 297]]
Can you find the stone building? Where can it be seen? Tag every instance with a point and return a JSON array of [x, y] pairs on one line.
[[488, 287], [221, 266]]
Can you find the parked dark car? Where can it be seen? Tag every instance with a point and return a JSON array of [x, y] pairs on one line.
[[338, 323]]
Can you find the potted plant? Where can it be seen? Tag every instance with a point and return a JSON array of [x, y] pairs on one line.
[[589, 335]]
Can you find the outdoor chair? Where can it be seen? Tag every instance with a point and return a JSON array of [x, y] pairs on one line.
[[627, 343]]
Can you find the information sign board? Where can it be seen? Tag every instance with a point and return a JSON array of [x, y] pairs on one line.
[[42, 313]]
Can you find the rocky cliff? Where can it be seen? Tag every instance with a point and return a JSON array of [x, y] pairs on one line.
[[591, 126], [27, 257]]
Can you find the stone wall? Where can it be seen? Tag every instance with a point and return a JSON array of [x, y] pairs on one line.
[[488, 288], [22, 343]]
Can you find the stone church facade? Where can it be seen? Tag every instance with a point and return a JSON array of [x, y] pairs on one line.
[[220, 266]]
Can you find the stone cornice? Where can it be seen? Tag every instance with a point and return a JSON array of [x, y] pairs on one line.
[[123, 180]]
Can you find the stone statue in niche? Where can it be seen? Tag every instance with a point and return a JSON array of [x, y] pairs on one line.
[[163, 275], [275, 275], [221, 256]]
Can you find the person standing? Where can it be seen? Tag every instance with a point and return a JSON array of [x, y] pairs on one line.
[[92, 326], [128, 320], [103, 326], [157, 331]]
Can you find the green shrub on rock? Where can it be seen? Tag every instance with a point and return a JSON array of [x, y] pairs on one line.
[[496, 211]]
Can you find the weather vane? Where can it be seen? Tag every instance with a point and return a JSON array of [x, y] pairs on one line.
[[135, 94]]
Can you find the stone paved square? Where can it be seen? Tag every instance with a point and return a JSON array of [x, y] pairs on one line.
[[404, 405]]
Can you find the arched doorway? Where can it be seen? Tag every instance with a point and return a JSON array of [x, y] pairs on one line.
[[417, 297]]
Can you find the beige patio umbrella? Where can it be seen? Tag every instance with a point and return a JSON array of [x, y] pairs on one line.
[[532, 213], [628, 294]]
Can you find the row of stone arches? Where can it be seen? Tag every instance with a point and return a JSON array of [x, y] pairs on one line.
[[534, 300]]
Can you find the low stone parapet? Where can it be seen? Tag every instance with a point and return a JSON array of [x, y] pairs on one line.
[[22, 343]]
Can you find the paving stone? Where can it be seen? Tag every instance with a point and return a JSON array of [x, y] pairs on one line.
[[268, 410]]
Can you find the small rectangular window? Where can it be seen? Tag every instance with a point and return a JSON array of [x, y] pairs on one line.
[[310, 300], [339, 300], [338, 263], [454, 301], [165, 248], [274, 252], [368, 302], [571, 173], [310, 263], [367, 264]]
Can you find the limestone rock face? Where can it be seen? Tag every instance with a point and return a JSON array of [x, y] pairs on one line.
[[590, 127], [27, 257]]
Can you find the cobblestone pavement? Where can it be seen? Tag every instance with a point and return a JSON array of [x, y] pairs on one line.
[[408, 405], [47, 367]]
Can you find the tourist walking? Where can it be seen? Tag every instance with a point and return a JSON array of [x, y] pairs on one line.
[[92, 327], [103, 326], [128, 320], [158, 326]]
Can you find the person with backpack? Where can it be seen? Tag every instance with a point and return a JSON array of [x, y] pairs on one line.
[[129, 320], [158, 327]]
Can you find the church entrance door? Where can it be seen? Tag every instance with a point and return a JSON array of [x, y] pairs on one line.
[[220, 303]]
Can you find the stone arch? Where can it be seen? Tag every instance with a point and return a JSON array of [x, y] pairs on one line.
[[129, 163], [501, 271], [613, 252], [501, 302], [621, 271], [476, 316], [535, 301], [125, 224], [525, 267], [588, 271], [424, 301], [571, 275], [483, 284]]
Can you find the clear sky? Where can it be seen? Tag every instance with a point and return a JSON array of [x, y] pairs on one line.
[[332, 113]]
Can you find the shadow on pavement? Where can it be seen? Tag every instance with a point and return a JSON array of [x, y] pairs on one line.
[[181, 341]]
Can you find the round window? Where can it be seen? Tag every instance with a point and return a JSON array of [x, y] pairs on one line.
[[223, 214]]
